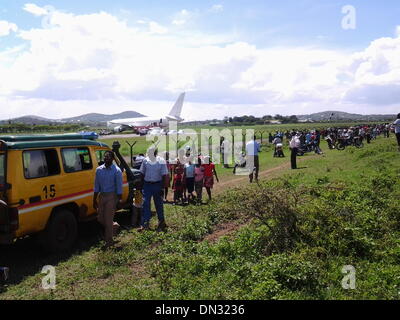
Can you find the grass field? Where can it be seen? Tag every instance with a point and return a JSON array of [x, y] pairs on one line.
[[260, 130], [286, 238]]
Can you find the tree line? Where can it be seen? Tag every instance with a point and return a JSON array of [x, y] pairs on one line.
[[29, 128], [244, 120]]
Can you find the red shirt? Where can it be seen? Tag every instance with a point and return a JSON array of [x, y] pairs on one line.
[[208, 169]]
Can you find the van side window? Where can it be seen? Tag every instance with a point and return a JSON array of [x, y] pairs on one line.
[[76, 159], [40, 163], [2, 173], [100, 157]]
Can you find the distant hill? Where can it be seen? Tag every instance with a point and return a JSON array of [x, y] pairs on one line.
[[29, 120], [101, 119], [344, 116], [89, 118]]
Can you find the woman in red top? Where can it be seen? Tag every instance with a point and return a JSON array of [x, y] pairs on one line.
[[178, 184], [209, 172], [170, 168]]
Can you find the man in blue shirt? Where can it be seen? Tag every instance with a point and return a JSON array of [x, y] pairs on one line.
[[108, 189], [156, 178]]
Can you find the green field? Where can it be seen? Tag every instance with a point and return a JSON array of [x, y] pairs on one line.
[[261, 131], [287, 238]]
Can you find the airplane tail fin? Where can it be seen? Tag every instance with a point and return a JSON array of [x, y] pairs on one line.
[[176, 110]]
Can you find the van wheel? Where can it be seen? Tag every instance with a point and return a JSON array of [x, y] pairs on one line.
[[61, 232]]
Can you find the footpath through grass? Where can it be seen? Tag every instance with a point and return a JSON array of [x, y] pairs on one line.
[[288, 238]]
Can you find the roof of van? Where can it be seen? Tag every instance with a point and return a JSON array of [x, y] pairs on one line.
[[19, 145], [47, 137]]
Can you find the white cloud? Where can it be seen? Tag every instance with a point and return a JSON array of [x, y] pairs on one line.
[[184, 16], [6, 27], [217, 8], [178, 22], [156, 28], [185, 12], [97, 62], [35, 10]]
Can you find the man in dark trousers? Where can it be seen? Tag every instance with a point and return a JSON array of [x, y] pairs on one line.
[[396, 125], [108, 190], [294, 147], [156, 178], [368, 134]]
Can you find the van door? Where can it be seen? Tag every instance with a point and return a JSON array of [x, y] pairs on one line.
[[3, 204], [2, 174], [36, 183], [78, 178]]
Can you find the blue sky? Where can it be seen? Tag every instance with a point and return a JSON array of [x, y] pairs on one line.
[[264, 23], [264, 57]]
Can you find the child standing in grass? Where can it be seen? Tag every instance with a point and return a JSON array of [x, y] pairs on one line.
[[137, 207], [178, 184], [170, 168], [189, 178], [209, 173], [199, 180]]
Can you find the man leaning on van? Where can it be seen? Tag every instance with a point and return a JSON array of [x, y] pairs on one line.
[[108, 189]]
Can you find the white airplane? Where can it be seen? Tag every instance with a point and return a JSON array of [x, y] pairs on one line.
[[143, 124]]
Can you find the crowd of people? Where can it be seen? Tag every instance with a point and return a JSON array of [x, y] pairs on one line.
[[189, 174], [302, 141]]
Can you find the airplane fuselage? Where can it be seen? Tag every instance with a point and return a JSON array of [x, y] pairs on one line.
[[141, 122], [149, 122]]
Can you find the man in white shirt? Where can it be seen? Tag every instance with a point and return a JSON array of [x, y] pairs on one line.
[[294, 147], [396, 125], [156, 178], [252, 162], [225, 151]]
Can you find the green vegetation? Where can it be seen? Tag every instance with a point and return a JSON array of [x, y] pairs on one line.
[[250, 120], [288, 238], [261, 132], [40, 128]]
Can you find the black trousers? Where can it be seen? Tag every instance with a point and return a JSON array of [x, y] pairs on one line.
[[293, 158], [398, 138]]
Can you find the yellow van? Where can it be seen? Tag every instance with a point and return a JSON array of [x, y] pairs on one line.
[[46, 186]]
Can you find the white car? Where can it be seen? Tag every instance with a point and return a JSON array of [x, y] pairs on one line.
[[156, 132]]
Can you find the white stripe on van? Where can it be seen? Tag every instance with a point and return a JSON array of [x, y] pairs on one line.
[[55, 203]]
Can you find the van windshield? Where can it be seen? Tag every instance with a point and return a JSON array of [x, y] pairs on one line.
[[2, 173]]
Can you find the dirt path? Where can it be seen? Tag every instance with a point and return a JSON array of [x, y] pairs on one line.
[[227, 228], [221, 230], [221, 186]]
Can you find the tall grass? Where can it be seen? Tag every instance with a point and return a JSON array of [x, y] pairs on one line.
[[294, 234]]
